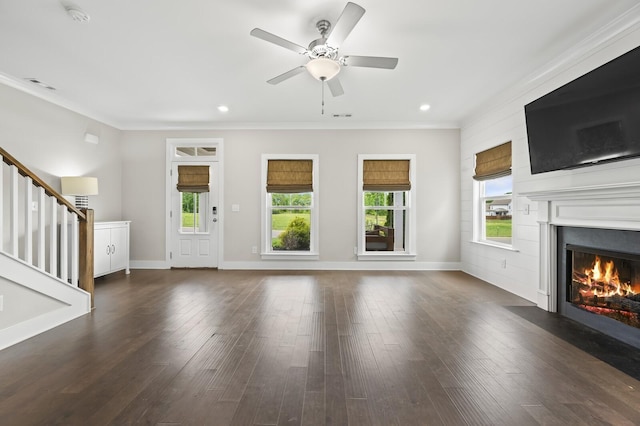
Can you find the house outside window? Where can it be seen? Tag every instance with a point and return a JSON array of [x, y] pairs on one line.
[[494, 196], [290, 206], [386, 200]]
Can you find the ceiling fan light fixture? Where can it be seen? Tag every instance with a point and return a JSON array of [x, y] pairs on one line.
[[323, 69]]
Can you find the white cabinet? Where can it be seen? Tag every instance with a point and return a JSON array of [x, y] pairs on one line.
[[111, 247]]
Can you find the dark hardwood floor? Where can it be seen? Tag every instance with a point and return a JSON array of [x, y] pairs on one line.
[[204, 347]]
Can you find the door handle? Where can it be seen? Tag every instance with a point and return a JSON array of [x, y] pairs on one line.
[[215, 219]]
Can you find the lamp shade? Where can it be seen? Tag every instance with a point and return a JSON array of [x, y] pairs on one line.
[[323, 68], [79, 185]]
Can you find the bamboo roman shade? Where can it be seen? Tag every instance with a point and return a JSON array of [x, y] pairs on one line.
[[290, 176], [494, 163], [386, 175], [193, 178]]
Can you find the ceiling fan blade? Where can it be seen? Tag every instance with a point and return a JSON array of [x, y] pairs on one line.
[[272, 38], [370, 62], [287, 75], [335, 87], [345, 23]]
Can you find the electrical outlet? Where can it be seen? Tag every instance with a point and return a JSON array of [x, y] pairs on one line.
[[526, 209], [34, 206], [254, 250], [355, 250], [1, 302], [503, 263]]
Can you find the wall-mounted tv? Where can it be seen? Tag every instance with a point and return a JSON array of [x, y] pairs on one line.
[[593, 119]]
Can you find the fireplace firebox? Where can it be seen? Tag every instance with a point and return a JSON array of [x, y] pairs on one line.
[[605, 283], [599, 280]]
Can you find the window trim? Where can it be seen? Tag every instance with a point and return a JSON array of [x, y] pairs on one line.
[[265, 243], [410, 208]]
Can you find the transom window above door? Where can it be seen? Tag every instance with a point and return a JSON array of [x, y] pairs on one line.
[[195, 151]]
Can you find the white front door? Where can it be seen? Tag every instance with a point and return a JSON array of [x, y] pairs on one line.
[[194, 222]]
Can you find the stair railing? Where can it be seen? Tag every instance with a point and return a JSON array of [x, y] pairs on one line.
[[65, 249]]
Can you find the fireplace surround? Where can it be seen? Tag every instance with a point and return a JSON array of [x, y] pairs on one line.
[[603, 217]]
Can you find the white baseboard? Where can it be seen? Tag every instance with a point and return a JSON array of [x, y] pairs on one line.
[[148, 264], [27, 329], [316, 266], [344, 266]]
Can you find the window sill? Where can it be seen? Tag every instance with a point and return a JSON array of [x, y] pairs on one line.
[[496, 245], [386, 256], [290, 256]]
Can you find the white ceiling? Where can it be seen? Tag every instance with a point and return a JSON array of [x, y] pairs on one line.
[[158, 64]]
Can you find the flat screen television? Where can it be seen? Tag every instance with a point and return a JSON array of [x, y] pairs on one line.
[[593, 119]]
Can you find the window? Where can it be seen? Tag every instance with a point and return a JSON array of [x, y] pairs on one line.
[[386, 195], [496, 204], [290, 194], [494, 196], [195, 151]]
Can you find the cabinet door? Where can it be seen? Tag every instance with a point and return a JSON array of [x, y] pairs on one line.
[[119, 249], [102, 251]]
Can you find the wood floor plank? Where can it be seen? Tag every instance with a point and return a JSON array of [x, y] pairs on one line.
[[315, 372], [183, 347], [313, 412], [293, 398], [272, 397], [358, 412], [245, 369]]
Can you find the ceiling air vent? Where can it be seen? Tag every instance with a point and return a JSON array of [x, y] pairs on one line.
[[39, 83], [75, 12]]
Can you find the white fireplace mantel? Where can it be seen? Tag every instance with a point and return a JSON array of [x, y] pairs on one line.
[[611, 206]]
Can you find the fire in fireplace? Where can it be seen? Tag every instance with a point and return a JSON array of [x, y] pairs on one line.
[[605, 283]]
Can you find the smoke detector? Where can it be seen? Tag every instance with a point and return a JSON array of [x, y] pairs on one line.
[[75, 12]]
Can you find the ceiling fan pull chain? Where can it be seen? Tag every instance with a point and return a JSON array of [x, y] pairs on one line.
[[322, 83]]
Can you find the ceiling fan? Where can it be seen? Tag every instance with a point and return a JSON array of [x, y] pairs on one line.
[[324, 61]]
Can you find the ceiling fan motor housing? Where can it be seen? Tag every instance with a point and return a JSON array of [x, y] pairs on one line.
[[319, 49]]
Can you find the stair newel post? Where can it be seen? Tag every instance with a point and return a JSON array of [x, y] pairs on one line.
[[86, 254]]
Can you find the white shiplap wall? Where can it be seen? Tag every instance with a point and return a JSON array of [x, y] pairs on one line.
[[503, 120]]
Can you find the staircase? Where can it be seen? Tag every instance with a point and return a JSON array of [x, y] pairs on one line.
[[46, 255]]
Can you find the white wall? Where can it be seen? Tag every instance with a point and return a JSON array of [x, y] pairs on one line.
[[437, 185], [49, 140], [503, 120]]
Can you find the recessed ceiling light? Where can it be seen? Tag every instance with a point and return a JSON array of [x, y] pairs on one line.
[[223, 108], [425, 107]]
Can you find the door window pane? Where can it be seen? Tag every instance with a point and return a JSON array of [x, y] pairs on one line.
[[195, 206]]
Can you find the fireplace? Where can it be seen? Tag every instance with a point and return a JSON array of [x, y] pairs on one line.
[[599, 280]]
